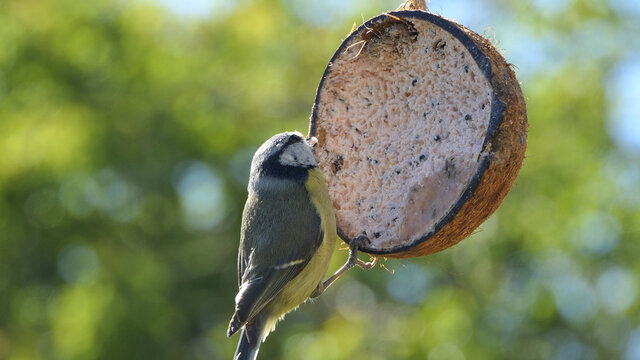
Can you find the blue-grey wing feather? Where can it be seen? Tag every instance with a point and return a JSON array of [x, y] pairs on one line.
[[275, 247]]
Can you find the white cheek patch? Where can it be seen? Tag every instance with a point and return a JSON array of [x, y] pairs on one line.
[[298, 154], [287, 159]]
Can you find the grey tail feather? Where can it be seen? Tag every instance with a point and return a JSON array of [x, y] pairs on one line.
[[249, 344], [234, 325]]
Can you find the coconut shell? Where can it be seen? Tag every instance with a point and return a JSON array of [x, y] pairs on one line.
[[430, 213]]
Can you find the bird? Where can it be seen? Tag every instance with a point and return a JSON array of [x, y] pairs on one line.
[[287, 237]]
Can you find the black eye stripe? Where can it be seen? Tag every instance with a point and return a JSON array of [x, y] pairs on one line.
[[294, 139], [283, 143]]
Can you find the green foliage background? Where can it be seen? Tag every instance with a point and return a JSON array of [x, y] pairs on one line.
[[125, 136]]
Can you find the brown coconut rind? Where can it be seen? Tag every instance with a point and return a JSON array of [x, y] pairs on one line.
[[498, 163]]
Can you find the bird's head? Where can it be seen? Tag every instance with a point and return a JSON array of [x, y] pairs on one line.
[[286, 156]]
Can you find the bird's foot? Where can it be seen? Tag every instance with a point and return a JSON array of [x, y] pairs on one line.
[[351, 262]]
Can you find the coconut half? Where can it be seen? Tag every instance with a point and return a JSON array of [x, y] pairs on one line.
[[421, 128]]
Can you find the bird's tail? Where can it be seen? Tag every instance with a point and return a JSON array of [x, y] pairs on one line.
[[249, 344]]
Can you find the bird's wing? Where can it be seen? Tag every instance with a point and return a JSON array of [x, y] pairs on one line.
[[274, 250]]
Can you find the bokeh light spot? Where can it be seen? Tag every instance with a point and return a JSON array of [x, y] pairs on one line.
[[106, 191], [617, 289], [73, 194], [574, 350], [626, 7], [410, 284], [624, 93], [77, 263], [120, 199], [633, 346], [201, 196], [575, 298], [597, 233]]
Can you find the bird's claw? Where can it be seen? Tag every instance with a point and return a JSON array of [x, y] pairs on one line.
[[352, 261], [354, 246], [367, 265]]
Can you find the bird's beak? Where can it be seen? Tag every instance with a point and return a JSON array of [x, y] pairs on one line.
[[312, 141]]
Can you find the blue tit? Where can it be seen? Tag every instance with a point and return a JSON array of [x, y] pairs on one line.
[[288, 235]]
